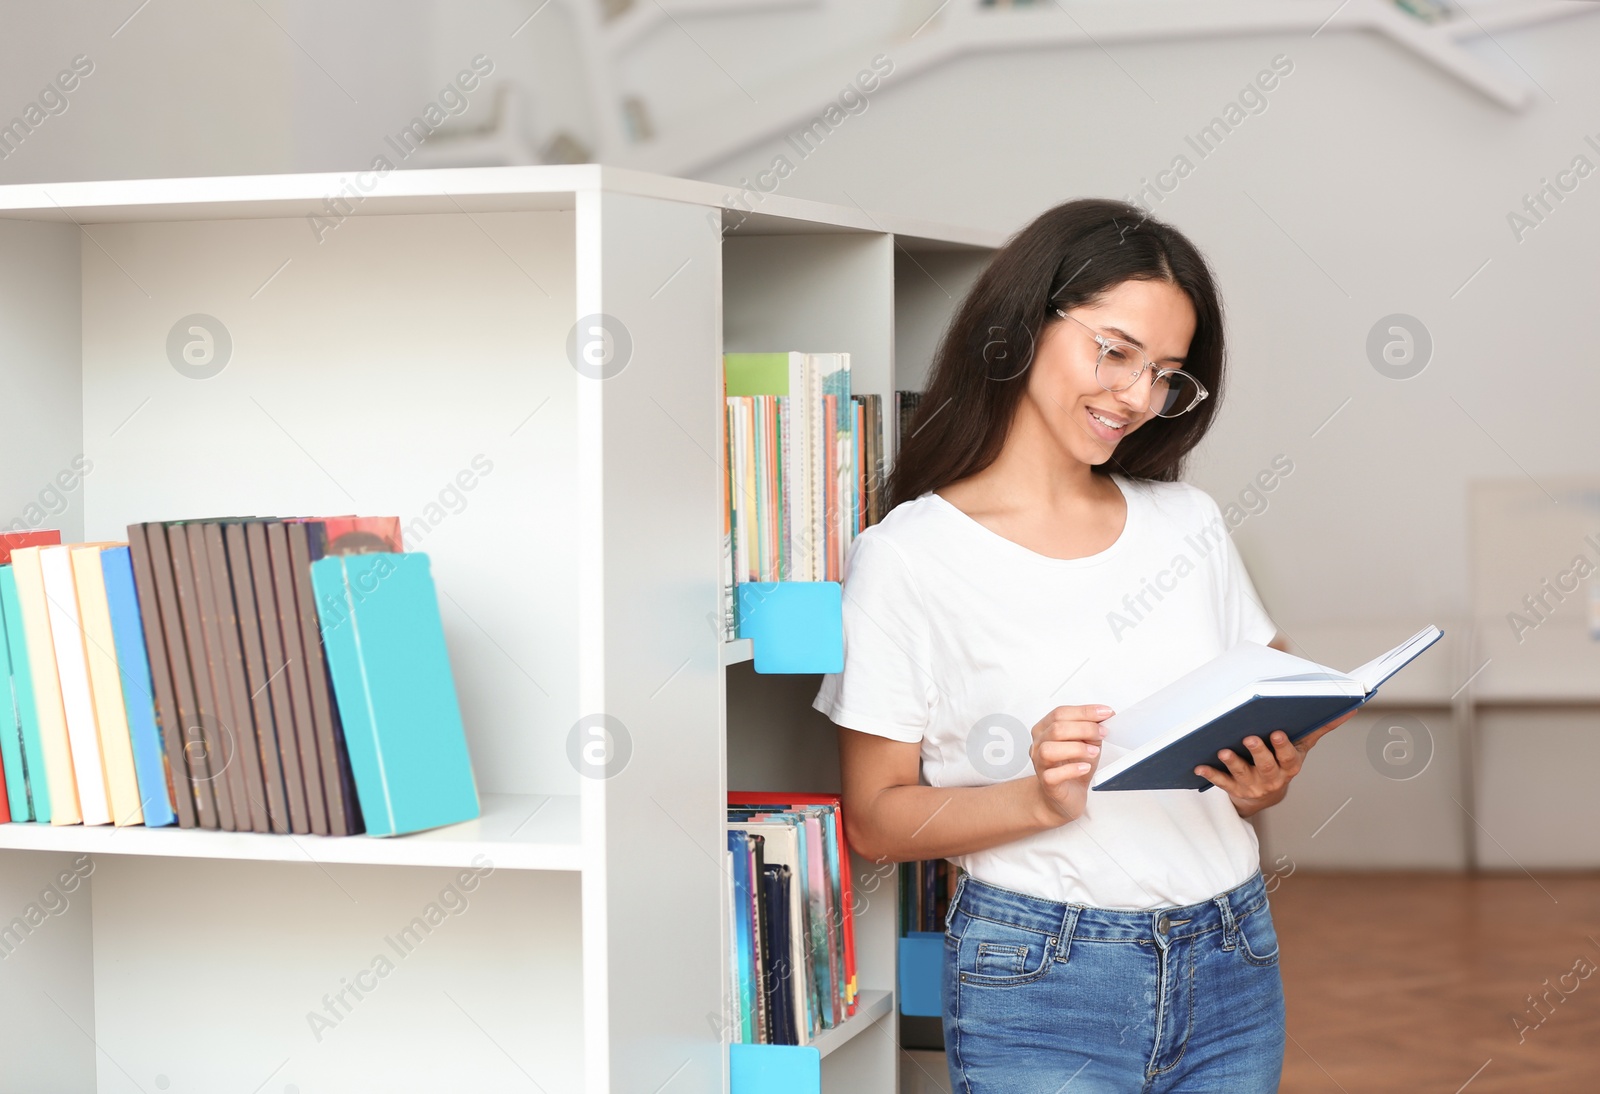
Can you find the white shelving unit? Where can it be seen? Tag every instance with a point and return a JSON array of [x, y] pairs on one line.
[[570, 939]]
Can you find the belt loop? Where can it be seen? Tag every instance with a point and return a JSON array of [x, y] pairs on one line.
[[1230, 926], [1069, 925], [955, 899]]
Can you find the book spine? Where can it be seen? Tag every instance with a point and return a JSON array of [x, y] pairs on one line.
[[231, 681], [18, 696], [255, 694], [726, 614], [228, 761], [105, 687], [275, 666], [83, 734], [140, 706], [303, 552], [786, 489], [189, 766], [299, 688]]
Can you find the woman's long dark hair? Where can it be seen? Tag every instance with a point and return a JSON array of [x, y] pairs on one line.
[[1065, 258]]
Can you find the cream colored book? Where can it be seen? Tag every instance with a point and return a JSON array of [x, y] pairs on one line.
[[105, 687], [66, 635], [27, 567]]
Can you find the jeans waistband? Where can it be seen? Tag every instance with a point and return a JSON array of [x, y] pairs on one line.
[[1081, 921]]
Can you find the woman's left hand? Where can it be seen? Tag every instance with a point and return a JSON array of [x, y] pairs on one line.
[[1252, 789]]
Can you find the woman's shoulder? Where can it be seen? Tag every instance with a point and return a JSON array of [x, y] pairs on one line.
[[1179, 499], [908, 532], [910, 523]]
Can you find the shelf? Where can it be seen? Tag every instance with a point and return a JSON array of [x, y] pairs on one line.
[[345, 341], [516, 832], [872, 1006], [457, 190]]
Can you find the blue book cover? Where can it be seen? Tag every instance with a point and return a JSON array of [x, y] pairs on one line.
[[133, 664], [1250, 690], [395, 692], [739, 844], [27, 790], [780, 999]]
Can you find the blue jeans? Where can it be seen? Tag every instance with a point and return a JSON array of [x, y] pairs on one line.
[[1042, 997]]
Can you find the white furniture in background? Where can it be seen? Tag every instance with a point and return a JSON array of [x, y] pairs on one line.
[[1512, 710], [420, 324]]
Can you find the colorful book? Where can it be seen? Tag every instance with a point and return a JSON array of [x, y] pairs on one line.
[[42, 537], [776, 884], [27, 789], [105, 686], [72, 672], [843, 895], [744, 937], [396, 695], [128, 631], [789, 946], [27, 565]]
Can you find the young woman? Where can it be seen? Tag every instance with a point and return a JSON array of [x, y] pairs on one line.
[[1044, 565]]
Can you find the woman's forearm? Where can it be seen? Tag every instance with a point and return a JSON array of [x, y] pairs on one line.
[[908, 823]]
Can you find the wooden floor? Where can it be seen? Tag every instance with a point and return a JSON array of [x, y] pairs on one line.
[[1421, 983]]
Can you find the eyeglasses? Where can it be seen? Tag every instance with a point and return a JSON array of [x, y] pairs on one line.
[[1120, 364]]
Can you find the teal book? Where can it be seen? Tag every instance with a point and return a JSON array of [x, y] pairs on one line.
[[20, 747], [127, 635], [386, 654], [744, 934]]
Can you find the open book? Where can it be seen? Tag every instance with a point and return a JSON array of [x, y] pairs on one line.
[[1250, 690]]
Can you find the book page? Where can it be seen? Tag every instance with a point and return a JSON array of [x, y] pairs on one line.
[[1380, 668], [1187, 697]]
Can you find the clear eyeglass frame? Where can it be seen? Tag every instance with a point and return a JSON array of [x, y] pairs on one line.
[[1107, 345]]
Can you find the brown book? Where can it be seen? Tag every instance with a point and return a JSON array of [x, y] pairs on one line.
[[208, 752], [299, 687], [166, 703], [231, 751], [275, 672], [164, 566], [300, 535], [229, 676], [254, 676]]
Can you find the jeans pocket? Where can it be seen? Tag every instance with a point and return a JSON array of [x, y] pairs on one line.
[[1258, 938], [989, 952]]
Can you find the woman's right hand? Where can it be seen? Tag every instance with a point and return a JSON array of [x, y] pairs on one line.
[[1065, 753]]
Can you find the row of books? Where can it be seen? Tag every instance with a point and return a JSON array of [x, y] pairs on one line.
[[926, 889], [805, 464], [244, 674], [905, 412], [805, 461], [788, 907]]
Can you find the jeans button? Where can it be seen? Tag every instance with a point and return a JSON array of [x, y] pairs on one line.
[[1163, 923]]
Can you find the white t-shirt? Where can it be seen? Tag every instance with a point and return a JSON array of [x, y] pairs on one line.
[[961, 639]]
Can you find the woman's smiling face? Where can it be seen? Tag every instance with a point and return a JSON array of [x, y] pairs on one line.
[[1085, 419]]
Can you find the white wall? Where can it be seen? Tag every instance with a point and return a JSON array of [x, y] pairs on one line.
[[192, 87], [1371, 184]]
